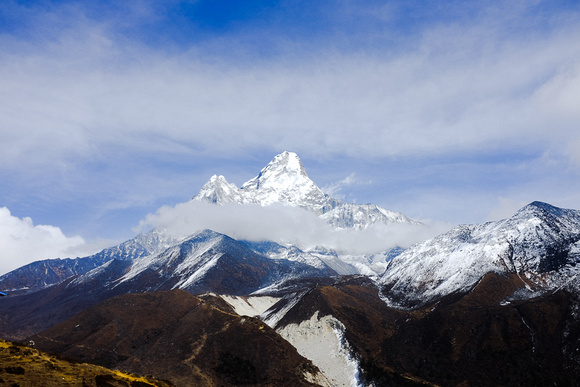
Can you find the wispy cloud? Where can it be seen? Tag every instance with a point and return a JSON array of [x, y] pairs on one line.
[[333, 189], [465, 88], [284, 224]]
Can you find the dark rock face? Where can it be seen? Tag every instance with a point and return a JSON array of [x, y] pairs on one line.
[[467, 339], [179, 337], [474, 339]]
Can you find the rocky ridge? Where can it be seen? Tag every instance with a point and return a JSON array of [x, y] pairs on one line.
[[284, 180], [540, 244]]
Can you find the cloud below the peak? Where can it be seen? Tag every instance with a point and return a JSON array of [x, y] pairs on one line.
[[283, 224]]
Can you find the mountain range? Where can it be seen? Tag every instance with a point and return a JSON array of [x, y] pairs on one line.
[[284, 180], [540, 244], [486, 304]]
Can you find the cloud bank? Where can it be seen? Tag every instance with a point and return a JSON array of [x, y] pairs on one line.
[[459, 87], [283, 224], [23, 242]]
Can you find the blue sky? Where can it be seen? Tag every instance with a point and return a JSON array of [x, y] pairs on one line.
[[448, 111]]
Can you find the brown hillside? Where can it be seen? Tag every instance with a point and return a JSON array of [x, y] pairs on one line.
[[471, 339], [27, 367], [179, 337]]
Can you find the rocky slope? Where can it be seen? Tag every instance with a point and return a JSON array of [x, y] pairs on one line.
[[182, 338], [284, 180], [205, 262], [28, 367], [540, 244], [468, 338]]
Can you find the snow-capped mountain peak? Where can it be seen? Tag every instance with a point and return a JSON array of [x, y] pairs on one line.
[[284, 180], [544, 211], [218, 191], [283, 166]]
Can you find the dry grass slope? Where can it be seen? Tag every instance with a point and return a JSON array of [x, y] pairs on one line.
[[24, 366]]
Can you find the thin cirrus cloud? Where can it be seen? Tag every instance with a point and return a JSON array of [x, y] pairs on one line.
[[83, 89], [462, 88]]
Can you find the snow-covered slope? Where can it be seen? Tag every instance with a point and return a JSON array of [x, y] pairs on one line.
[[204, 262], [322, 340], [284, 180], [41, 274], [150, 243], [337, 323], [540, 243]]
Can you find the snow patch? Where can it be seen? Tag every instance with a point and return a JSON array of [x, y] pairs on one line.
[[271, 318], [322, 341], [199, 273], [252, 305]]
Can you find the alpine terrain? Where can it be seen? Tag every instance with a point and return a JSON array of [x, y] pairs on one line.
[[480, 305], [284, 180], [540, 244]]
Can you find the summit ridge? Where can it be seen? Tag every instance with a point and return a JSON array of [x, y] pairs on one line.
[[284, 180], [540, 244]]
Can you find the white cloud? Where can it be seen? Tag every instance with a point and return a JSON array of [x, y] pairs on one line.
[[283, 224], [334, 189], [463, 88], [22, 242]]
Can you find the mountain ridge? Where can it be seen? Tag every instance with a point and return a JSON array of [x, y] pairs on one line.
[[284, 180], [539, 243], [182, 338]]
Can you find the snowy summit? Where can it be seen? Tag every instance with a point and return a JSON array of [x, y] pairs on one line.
[[284, 180], [540, 244]]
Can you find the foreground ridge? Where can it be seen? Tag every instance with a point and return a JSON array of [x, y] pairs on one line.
[[26, 366]]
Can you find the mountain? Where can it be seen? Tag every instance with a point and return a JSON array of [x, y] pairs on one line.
[[176, 336], [490, 304], [209, 261], [540, 244], [462, 339], [41, 274], [204, 262], [284, 180]]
